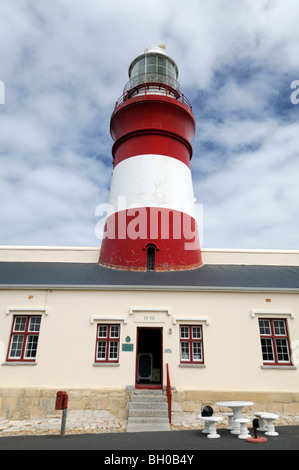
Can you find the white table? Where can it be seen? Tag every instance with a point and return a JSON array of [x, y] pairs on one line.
[[210, 427], [236, 407]]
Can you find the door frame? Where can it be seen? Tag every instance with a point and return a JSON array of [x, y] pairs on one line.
[[148, 386]]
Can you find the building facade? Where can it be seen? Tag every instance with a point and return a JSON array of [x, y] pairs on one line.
[[100, 323], [228, 330]]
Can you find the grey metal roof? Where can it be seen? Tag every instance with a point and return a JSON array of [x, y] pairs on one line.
[[93, 276]]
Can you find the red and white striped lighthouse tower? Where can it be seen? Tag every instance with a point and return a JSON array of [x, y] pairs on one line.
[[151, 220]]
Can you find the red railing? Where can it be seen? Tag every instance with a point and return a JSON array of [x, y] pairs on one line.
[[169, 393], [153, 89]]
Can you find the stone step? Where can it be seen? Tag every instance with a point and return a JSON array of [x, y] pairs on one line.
[[148, 405], [148, 411], [148, 419], [144, 391], [149, 398]]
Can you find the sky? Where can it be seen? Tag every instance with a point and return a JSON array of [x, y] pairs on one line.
[[63, 65]]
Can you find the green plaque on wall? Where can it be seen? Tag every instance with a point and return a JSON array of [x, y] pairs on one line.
[[127, 347]]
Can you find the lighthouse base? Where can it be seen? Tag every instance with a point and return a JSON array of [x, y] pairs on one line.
[[151, 239]]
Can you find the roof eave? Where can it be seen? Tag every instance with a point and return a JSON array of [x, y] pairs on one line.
[[285, 290]]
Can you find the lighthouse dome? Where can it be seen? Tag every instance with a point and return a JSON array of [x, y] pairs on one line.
[[161, 49], [153, 66]]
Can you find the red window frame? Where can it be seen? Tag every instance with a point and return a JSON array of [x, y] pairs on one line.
[[193, 342], [107, 343], [274, 342], [23, 340]]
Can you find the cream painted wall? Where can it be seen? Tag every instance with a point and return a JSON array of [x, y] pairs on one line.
[[67, 341]]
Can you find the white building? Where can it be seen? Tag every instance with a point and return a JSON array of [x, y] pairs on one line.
[[227, 330], [100, 323]]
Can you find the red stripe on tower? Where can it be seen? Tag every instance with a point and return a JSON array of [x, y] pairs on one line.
[[151, 221]]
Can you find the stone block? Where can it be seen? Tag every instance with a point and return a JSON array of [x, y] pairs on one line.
[[193, 406]]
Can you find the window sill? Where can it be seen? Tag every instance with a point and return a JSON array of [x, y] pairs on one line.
[[18, 363], [106, 364], [279, 367], [201, 366]]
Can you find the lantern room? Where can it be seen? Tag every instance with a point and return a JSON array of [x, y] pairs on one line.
[[153, 67]]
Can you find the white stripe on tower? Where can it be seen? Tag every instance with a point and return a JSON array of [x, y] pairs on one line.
[[152, 181]]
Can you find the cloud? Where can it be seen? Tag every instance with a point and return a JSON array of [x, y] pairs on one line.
[[252, 198], [64, 65]]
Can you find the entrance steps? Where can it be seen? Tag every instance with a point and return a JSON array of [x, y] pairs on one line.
[[148, 411]]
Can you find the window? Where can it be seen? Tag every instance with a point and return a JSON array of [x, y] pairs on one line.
[[151, 66], [162, 64], [24, 338], [151, 256], [274, 342], [138, 68], [191, 344], [107, 346]]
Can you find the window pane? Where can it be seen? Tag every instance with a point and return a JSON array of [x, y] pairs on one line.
[[265, 328], [185, 351], [196, 332], [162, 61], [171, 70], [151, 60], [31, 346], [267, 349], [184, 332], [140, 69], [113, 350], [114, 331], [101, 350], [151, 69], [282, 350], [34, 324], [162, 70], [279, 327], [197, 351], [134, 71], [16, 346], [102, 331], [20, 323]]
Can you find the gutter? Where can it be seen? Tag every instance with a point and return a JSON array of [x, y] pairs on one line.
[[83, 287]]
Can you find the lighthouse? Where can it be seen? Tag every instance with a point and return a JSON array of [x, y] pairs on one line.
[[151, 222]]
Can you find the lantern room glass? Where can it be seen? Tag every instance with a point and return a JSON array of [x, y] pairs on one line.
[[154, 64]]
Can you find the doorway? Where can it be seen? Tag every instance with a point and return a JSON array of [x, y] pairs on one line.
[[149, 358]]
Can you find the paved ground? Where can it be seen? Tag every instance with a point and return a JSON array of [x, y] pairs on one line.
[[117, 445]]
